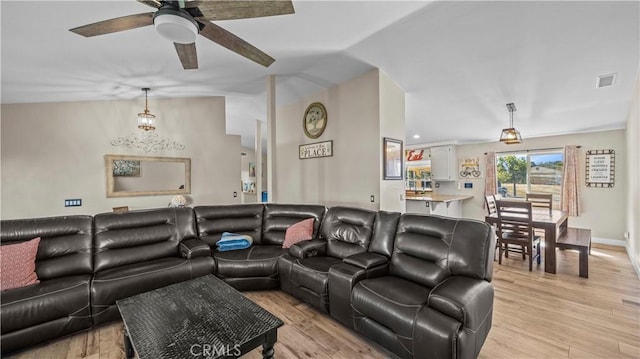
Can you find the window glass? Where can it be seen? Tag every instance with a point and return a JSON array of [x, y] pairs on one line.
[[512, 175], [534, 172]]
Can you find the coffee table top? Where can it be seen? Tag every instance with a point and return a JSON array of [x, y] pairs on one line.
[[177, 320]]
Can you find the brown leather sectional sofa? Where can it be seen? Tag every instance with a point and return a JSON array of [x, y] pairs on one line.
[[418, 285]]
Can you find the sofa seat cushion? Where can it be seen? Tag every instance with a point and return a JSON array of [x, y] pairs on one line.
[[256, 261], [122, 282], [391, 301], [313, 273], [45, 302]]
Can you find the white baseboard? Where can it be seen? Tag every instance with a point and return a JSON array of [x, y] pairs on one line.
[[609, 241], [634, 261]]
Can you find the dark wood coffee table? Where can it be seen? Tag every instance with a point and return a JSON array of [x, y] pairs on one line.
[[200, 318]]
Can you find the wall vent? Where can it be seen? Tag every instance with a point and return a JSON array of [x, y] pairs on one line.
[[605, 80]]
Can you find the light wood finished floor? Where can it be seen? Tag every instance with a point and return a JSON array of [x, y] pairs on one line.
[[536, 315]]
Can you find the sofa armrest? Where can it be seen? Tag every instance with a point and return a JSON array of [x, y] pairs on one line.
[[366, 260], [468, 300], [312, 248], [194, 247]]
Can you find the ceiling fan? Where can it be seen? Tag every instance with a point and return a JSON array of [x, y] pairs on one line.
[[181, 21]]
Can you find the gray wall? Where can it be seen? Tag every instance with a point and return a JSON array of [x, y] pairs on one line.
[[360, 112], [603, 209], [54, 151]]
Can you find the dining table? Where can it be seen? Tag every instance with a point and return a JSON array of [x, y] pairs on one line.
[[554, 224]]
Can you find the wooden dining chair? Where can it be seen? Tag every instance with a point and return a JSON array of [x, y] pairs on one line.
[[515, 226], [490, 202], [540, 200]]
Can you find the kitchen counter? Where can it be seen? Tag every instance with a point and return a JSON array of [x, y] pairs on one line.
[[434, 197], [433, 203]]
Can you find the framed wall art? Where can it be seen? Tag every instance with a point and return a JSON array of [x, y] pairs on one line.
[[600, 168], [469, 167], [392, 159]]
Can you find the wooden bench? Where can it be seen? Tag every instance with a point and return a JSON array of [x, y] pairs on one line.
[[578, 239]]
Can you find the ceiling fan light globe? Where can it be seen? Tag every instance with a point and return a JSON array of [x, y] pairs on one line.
[[176, 28]]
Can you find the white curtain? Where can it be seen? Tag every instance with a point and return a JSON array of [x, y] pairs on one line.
[[570, 194], [490, 182]]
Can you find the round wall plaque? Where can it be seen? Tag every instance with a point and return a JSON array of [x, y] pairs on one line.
[[315, 120]]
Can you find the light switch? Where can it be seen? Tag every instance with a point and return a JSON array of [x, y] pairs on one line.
[[73, 202]]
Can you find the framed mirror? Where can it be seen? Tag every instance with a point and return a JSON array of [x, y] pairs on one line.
[[129, 176]]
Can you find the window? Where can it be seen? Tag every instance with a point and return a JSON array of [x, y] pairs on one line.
[[537, 172]]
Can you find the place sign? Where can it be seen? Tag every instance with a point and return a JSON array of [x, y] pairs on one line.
[[316, 150]]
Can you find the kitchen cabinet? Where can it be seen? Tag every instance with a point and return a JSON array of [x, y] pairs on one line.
[[443, 163]]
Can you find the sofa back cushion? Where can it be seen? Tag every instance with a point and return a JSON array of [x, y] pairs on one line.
[[65, 243], [278, 217], [384, 233], [138, 236], [430, 248], [347, 230], [237, 219]]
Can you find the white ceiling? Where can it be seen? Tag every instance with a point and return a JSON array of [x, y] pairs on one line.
[[459, 62]]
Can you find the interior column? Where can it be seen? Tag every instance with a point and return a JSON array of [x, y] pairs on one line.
[[258, 149], [271, 138]]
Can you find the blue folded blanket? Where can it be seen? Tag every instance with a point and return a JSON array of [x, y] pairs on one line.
[[233, 241]]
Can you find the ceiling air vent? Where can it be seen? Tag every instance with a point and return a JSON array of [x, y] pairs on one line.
[[605, 80]]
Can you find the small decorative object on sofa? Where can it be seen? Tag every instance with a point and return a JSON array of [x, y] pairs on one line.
[[178, 201], [233, 241]]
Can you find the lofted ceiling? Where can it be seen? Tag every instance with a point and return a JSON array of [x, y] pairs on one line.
[[458, 62]]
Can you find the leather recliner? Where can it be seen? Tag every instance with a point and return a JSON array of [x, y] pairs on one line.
[[254, 268], [136, 252], [436, 299], [304, 272], [372, 263], [59, 304]]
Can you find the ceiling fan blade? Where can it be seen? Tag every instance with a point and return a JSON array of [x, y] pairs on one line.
[[153, 3], [114, 25], [229, 10], [187, 55], [224, 38]]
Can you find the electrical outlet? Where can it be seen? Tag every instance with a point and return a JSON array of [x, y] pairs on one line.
[[626, 235], [235, 194], [373, 198]]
